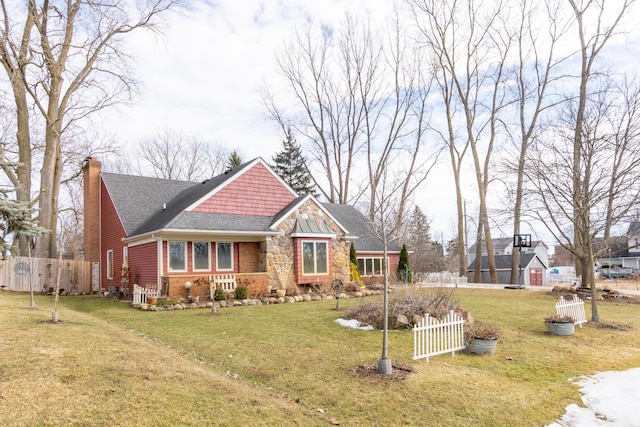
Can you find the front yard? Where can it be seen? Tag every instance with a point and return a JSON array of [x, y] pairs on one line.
[[290, 364]]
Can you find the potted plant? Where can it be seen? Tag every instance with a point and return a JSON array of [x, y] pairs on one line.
[[560, 325], [481, 338]]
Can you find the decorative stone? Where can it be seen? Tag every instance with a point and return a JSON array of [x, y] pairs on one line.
[[178, 307], [306, 297], [290, 300], [237, 303], [281, 300], [398, 321]]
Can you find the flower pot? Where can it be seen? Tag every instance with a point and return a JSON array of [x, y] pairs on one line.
[[152, 300], [281, 292], [561, 328], [481, 346]]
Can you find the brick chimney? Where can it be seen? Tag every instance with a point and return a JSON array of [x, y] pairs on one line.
[[91, 169]]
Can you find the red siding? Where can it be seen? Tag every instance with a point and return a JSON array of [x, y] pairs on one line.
[[143, 264], [255, 192], [111, 234], [297, 263]]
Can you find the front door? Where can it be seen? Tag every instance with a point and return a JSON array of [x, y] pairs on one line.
[[535, 276]]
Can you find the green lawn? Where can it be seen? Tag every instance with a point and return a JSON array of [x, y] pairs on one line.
[[290, 364]]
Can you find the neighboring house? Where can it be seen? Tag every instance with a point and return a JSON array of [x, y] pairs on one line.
[[247, 223], [533, 270], [534, 262], [624, 251], [504, 246]]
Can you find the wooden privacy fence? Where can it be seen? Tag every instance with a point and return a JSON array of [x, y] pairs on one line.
[[140, 294], [432, 336], [22, 274], [573, 308]]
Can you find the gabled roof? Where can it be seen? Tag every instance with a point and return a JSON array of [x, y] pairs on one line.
[[634, 229], [503, 262], [501, 243], [359, 225], [146, 205], [138, 198]]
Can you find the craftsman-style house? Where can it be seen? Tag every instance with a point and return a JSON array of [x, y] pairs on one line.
[[246, 223]]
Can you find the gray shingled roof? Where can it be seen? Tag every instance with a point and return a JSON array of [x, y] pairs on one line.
[[359, 225], [140, 201], [503, 262], [138, 198]]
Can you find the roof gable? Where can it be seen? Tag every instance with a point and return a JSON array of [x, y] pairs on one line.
[[253, 189]]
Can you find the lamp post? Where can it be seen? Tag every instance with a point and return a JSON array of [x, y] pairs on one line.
[[187, 287]]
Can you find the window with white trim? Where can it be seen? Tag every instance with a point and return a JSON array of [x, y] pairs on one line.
[[224, 256], [314, 258], [177, 256], [110, 264], [201, 258], [125, 255]]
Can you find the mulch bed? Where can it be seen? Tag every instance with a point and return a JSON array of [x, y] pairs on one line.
[[400, 372]]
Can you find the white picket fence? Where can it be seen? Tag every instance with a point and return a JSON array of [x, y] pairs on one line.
[[573, 308], [140, 294], [226, 281], [432, 336]]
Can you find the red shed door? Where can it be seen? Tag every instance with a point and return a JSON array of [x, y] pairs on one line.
[[535, 276]]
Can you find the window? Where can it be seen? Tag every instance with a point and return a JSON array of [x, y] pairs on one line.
[[201, 256], [125, 255], [314, 258], [177, 258], [224, 256], [371, 266], [110, 264]]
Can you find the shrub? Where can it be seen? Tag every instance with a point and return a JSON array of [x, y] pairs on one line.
[[219, 295], [241, 292]]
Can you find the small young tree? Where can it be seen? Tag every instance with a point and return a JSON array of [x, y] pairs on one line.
[[291, 166], [404, 269]]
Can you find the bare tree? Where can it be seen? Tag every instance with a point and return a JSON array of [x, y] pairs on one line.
[[471, 43], [361, 99], [535, 71], [175, 155], [609, 165], [65, 62]]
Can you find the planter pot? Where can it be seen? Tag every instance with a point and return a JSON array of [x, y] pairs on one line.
[[152, 300], [281, 292], [481, 346], [561, 328]]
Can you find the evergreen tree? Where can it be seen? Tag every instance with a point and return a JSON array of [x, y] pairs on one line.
[[427, 254], [15, 218], [234, 161], [355, 274], [290, 165], [404, 269]]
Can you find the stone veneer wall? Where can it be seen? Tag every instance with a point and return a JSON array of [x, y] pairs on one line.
[[282, 245]]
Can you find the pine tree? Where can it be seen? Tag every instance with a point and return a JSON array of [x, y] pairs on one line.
[[404, 269], [427, 255], [290, 165], [234, 161], [15, 218]]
